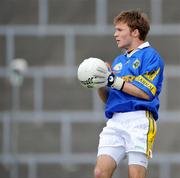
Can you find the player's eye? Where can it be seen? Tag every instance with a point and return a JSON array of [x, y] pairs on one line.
[[119, 29]]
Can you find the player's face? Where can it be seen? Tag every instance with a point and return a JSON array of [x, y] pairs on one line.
[[123, 36]]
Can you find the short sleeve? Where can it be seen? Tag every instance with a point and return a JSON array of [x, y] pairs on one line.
[[151, 76]]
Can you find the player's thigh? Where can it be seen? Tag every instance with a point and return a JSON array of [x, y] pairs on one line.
[[136, 171], [138, 163], [105, 166]]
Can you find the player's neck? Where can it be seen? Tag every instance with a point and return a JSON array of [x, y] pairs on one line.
[[134, 45]]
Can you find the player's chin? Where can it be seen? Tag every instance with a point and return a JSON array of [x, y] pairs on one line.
[[122, 46], [119, 45]]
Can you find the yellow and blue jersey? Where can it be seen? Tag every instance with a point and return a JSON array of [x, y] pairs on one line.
[[144, 69]]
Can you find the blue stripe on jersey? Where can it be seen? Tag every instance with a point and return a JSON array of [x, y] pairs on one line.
[[144, 69]]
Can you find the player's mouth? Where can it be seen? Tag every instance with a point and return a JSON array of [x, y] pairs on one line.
[[118, 41]]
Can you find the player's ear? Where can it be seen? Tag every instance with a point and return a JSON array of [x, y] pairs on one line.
[[135, 33]]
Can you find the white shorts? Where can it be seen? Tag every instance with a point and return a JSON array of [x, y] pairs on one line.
[[129, 134]]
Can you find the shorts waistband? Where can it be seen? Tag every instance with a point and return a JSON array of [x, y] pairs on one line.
[[130, 114]]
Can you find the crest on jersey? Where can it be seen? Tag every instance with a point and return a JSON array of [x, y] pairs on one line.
[[136, 63], [118, 67]]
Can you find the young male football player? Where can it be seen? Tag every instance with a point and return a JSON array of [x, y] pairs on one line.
[[131, 99]]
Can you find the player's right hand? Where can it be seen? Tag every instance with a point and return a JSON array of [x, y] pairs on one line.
[[100, 78]]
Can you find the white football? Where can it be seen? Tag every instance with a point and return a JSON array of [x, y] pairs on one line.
[[87, 70]]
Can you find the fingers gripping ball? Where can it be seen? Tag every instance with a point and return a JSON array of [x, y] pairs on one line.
[[93, 73]]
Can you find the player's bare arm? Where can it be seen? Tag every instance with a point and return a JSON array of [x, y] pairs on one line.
[[103, 93], [128, 88], [135, 91], [119, 84]]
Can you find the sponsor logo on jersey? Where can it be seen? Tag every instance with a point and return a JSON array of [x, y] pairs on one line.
[[146, 83]]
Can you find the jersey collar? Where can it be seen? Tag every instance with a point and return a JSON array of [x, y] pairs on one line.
[[144, 45]]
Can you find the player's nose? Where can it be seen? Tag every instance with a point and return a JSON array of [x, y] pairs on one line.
[[115, 34]]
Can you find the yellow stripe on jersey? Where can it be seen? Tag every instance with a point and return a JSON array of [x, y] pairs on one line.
[[152, 75], [146, 83], [151, 134]]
